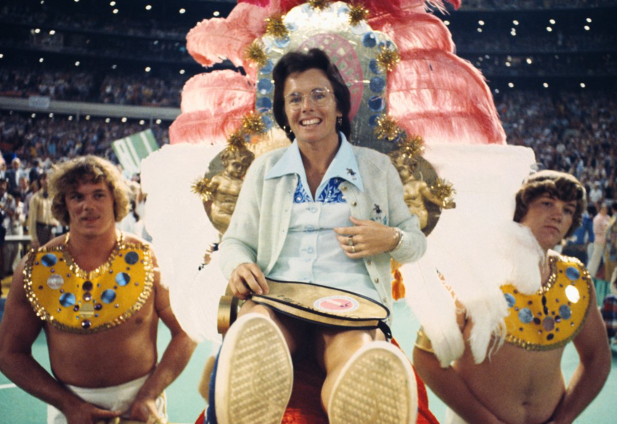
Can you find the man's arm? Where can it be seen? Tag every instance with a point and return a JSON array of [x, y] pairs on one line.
[[450, 386], [18, 331], [593, 368], [174, 360]]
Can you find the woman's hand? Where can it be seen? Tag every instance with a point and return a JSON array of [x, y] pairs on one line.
[[247, 279], [366, 238]]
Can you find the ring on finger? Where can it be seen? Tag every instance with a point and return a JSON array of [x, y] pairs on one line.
[[350, 241], [353, 249]]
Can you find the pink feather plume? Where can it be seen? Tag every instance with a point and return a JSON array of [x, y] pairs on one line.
[[213, 40], [418, 31], [443, 98], [218, 92], [207, 127]]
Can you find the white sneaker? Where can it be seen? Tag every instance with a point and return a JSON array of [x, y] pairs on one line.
[[376, 386], [254, 377]]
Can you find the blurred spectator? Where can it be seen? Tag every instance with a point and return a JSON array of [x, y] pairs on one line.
[[610, 254], [595, 194], [600, 225], [40, 219], [7, 207], [14, 174], [577, 245]]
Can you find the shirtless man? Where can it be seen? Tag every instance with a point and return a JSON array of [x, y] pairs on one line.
[[225, 187], [521, 381], [96, 293]]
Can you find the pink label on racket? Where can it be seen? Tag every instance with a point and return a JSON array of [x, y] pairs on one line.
[[336, 304]]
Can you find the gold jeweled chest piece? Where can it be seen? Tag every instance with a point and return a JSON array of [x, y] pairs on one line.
[[553, 316], [78, 301]]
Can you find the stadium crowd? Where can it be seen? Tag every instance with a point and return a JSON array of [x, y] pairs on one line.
[[126, 88], [533, 4], [60, 137]]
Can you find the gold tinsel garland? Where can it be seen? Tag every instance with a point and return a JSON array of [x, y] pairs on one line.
[[387, 128], [252, 124], [319, 4], [256, 53], [443, 190], [236, 141], [275, 27], [201, 187], [411, 146], [388, 58], [357, 14]]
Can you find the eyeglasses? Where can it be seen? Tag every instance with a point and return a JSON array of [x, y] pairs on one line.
[[319, 97]]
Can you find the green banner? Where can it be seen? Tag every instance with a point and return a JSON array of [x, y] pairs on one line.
[[132, 149]]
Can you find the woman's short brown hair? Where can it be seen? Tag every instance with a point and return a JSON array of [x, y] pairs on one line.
[[560, 185], [87, 169]]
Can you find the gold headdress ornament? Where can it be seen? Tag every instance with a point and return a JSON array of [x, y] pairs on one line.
[[411, 146], [256, 53], [388, 58], [443, 190], [201, 187], [387, 128], [236, 141], [275, 27], [252, 124], [357, 14], [319, 4]]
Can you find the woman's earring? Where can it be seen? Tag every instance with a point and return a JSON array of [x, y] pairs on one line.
[[339, 120]]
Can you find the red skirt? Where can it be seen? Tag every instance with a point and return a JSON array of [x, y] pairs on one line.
[[305, 404]]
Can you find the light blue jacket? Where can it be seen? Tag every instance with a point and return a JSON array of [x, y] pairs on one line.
[[261, 219]]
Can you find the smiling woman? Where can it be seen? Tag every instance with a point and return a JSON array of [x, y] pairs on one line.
[[330, 215]]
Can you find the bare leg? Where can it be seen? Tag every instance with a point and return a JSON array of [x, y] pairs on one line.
[[334, 348], [292, 329]]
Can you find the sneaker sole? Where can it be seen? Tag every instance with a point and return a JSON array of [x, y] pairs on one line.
[[376, 386], [255, 374]]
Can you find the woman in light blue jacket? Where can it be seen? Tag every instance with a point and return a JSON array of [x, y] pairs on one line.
[[323, 212]]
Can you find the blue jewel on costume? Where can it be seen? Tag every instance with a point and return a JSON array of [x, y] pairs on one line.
[[282, 42], [267, 69], [108, 296], [263, 104], [265, 86], [525, 315], [131, 258], [369, 40], [376, 103], [374, 66], [573, 273], [49, 259], [67, 299], [510, 300], [565, 312], [122, 278], [377, 84]]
